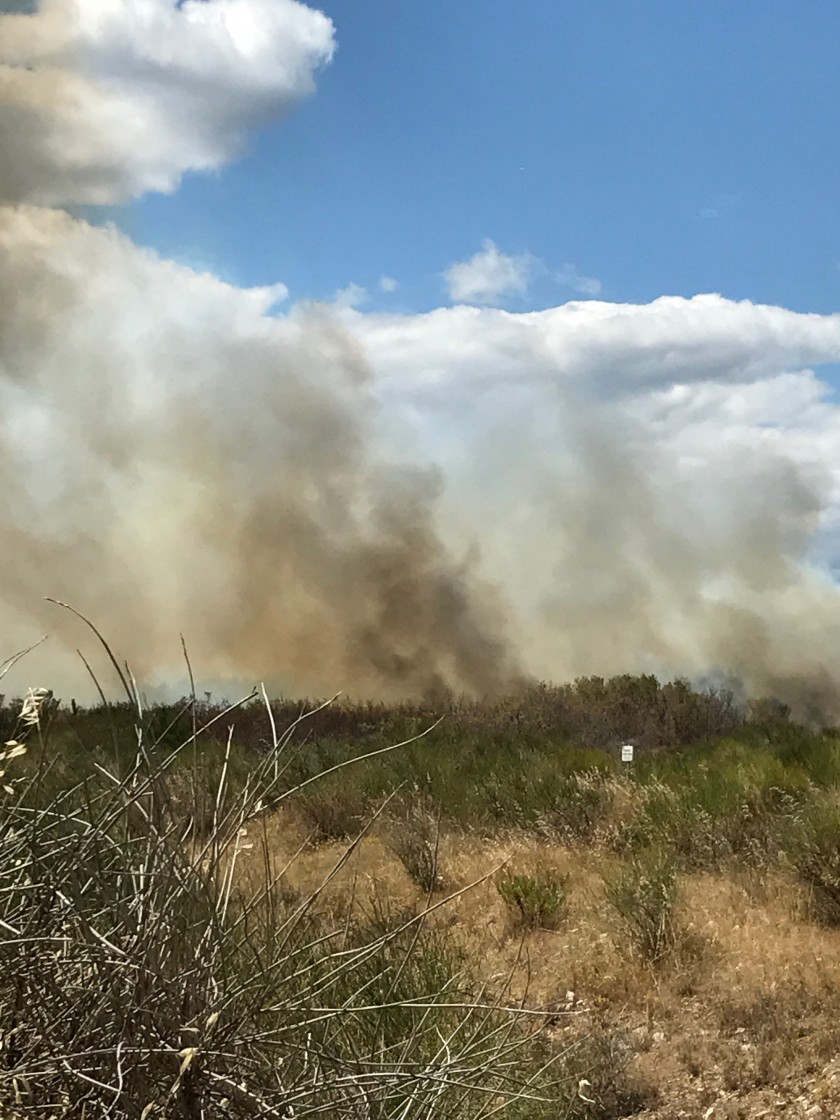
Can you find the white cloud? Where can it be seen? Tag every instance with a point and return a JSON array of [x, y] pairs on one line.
[[267, 298], [388, 284], [352, 296], [102, 100], [586, 285], [489, 276], [613, 349]]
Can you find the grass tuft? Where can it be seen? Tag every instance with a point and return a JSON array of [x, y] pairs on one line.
[[537, 900], [415, 841], [643, 895]]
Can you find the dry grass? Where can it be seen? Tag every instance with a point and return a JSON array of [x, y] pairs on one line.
[[743, 1021]]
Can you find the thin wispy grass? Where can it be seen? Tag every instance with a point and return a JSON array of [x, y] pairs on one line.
[[143, 974]]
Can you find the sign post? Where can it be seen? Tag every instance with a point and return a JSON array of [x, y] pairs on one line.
[[627, 752]]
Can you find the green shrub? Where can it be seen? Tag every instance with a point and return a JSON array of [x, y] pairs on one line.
[[643, 894], [538, 900], [331, 813], [728, 802], [577, 807], [817, 755]]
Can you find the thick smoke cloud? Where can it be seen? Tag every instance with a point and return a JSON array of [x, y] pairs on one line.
[[332, 499], [655, 487], [103, 100], [176, 456]]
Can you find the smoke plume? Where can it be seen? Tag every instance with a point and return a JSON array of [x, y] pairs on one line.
[[390, 505]]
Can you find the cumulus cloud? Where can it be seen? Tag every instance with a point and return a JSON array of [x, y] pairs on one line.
[[489, 276], [571, 278], [102, 100], [615, 349], [388, 284]]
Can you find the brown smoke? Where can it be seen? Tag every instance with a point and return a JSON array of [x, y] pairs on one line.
[[222, 477], [619, 559]]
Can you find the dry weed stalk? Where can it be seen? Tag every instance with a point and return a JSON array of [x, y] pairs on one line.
[[141, 977]]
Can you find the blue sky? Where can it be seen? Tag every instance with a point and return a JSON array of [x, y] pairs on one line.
[[658, 147]]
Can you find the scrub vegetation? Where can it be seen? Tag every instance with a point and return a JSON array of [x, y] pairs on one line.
[[449, 908]]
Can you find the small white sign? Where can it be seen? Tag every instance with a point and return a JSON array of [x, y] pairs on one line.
[[627, 752]]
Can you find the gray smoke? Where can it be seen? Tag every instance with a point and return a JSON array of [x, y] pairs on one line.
[[177, 458]]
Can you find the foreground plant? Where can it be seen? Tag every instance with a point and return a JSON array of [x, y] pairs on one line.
[[144, 974]]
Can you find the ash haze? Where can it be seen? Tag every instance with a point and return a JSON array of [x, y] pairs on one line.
[[350, 495]]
